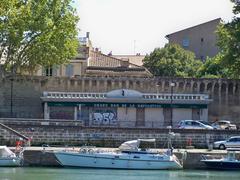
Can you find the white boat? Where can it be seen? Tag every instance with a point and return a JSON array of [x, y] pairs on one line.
[[128, 156], [230, 161], [8, 158]]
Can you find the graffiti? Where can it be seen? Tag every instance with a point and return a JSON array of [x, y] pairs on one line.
[[104, 118]]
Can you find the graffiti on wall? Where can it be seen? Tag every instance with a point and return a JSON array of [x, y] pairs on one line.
[[104, 117]]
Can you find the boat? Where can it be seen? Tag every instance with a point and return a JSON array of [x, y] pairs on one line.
[[230, 161], [8, 158], [128, 156]]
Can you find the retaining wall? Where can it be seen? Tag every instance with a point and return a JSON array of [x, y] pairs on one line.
[[27, 91], [72, 133]]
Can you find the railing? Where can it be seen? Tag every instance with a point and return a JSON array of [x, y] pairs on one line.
[[166, 96], [146, 96], [73, 95]]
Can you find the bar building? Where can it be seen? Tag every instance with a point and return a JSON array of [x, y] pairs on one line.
[[125, 108]]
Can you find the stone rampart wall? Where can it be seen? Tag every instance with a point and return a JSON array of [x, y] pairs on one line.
[[28, 90]]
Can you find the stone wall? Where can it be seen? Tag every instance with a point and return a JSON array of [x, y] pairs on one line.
[[73, 133], [28, 90]]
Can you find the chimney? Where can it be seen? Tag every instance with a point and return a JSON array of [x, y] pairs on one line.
[[87, 35], [124, 62]]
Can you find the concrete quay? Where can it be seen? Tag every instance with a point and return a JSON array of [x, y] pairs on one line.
[[43, 156]]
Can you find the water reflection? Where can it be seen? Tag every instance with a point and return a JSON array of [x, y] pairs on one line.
[[103, 174]]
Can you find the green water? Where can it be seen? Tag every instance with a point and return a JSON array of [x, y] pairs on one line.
[[103, 174]]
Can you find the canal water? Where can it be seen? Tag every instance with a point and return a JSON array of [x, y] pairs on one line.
[[104, 174]]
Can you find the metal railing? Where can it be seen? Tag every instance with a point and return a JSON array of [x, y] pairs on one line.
[[146, 96]]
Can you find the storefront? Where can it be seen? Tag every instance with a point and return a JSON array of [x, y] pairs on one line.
[[125, 108]]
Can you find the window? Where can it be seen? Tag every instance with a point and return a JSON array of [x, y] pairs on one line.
[[195, 123], [202, 39], [185, 42], [49, 71], [69, 70], [233, 140]]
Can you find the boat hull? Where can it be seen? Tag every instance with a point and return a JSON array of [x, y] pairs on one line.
[[10, 162], [115, 161], [219, 164]]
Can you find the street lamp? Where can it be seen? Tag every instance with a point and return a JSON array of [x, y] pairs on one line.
[[157, 88], [172, 84], [11, 92]]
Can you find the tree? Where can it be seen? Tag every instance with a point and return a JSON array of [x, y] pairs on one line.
[[37, 32], [229, 42], [213, 68], [172, 60]]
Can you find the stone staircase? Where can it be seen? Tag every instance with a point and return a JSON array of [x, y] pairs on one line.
[[8, 136]]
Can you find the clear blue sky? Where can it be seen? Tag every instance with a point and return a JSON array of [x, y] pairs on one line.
[[128, 26]]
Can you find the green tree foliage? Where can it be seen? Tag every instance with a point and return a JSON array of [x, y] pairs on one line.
[[172, 60], [37, 32], [229, 42], [213, 68]]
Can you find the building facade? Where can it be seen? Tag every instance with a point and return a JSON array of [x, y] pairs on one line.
[[200, 39], [125, 108], [134, 59], [92, 62]]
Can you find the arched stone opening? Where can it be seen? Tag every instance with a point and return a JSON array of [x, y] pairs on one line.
[[195, 87], [237, 89], [180, 87], [101, 85], [137, 84], [124, 85], [223, 88], [131, 84], [216, 88], [188, 87], [209, 87], [109, 85], [230, 88], [86, 84], [202, 87], [166, 86]]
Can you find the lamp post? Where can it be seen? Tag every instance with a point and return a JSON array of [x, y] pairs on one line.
[[11, 92], [157, 88], [172, 84]]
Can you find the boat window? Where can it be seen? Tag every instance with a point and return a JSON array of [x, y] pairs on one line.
[[136, 157], [231, 156]]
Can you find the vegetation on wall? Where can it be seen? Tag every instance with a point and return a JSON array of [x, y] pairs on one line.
[[37, 32]]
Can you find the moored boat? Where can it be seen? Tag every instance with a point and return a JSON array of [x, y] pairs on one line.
[[128, 156], [230, 162], [8, 158]]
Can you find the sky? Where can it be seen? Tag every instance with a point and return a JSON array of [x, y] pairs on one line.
[[127, 27]]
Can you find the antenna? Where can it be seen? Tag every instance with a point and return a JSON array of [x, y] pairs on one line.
[[134, 47]]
